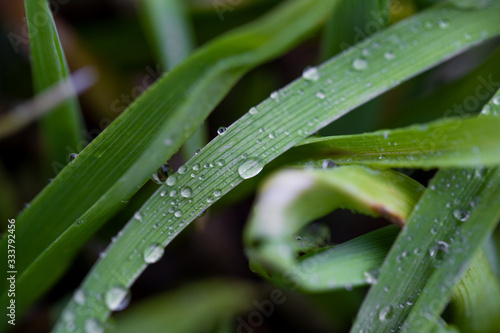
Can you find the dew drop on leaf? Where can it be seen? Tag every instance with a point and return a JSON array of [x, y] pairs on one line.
[[161, 175], [310, 74], [461, 214], [250, 168], [178, 213], [93, 325], [386, 313], [72, 157], [360, 64], [186, 192], [153, 253], [117, 298], [221, 130], [79, 296]]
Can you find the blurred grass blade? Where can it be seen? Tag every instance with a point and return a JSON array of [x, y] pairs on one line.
[[274, 126], [476, 300], [454, 142], [169, 30], [171, 35], [344, 29], [61, 128], [450, 223], [50, 98], [208, 303], [119, 161], [291, 199]]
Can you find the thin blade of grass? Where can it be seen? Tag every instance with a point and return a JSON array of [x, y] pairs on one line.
[[445, 143], [291, 114], [49, 67], [452, 220]]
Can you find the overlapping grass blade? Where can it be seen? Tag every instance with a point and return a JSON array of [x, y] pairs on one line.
[[120, 160], [454, 142], [208, 303], [291, 199], [450, 223], [273, 127], [476, 298], [49, 67], [170, 32]]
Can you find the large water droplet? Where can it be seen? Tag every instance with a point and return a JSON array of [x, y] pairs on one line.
[[386, 313], [311, 74], [178, 213], [250, 168], [360, 64], [72, 157], [117, 298], [186, 192], [153, 253], [161, 175]]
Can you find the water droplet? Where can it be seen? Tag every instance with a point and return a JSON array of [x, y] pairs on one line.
[[182, 170], [72, 157], [360, 64], [275, 96], [371, 276], [221, 162], [496, 100], [439, 250], [250, 168], [389, 55], [93, 326], [328, 164], [310, 74], [461, 214], [117, 298], [161, 175], [221, 130], [79, 296], [196, 167], [153, 253], [171, 180], [443, 24], [178, 213], [217, 193], [320, 95], [138, 216], [253, 110], [386, 313], [186, 192]]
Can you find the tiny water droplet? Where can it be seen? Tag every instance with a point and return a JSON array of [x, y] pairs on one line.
[[443, 24], [161, 175], [461, 214], [138, 216], [217, 193], [72, 157], [496, 100], [250, 168], [360, 64], [93, 326], [310, 74], [221, 130], [320, 95], [275, 96], [79, 296], [389, 55], [153, 253], [439, 250], [328, 164], [178, 213], [117, 298], [182, 170], [253, 110]]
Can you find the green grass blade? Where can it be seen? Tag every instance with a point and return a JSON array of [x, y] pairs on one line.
[[49, 67], [454, 217], [171, 35], [445, 143], [291, 114], [291, 199], [208, 303], [344, 29], [168, 30], [111, 169], [476, 300]]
